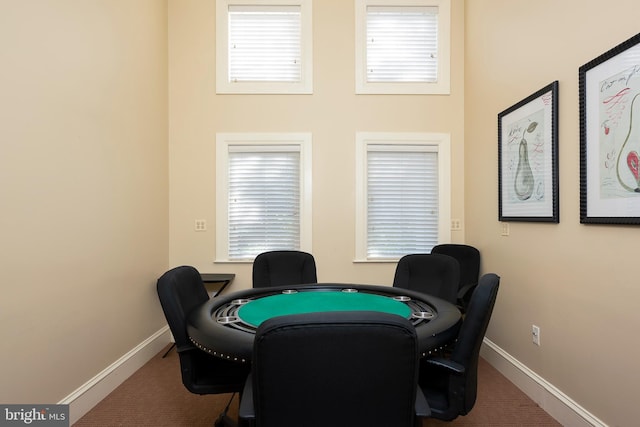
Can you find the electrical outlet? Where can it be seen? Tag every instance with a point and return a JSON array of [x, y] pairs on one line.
[[456, 225], [201, 225], [535, 334], [505, 229]]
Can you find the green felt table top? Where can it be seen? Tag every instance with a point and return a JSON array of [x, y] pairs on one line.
[[257, 311]]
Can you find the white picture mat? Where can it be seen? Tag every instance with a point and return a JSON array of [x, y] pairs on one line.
[[610, 88], [540, 156]]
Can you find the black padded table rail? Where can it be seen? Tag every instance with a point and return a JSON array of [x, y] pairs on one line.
[[225, 326]]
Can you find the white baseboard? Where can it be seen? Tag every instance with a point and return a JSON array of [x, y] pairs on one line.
[[97, 388], [557, 404]]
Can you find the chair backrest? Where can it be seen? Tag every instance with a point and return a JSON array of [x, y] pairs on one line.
[[433, 274], [180, 290], [335, 369], [469, 259], [280, 268], [467, 349]]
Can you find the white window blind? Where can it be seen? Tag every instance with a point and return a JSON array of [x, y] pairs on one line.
[[403, 198], [403, 47], [264, 200], [403, 194], [265, 43], [263, 194], [402, 44]]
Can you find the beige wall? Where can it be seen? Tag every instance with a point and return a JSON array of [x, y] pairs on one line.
[[98, 95], [83, 188], [577, 282], [333, 114]]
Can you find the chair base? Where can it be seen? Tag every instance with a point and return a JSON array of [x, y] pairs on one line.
[[224, 421], [167, 352]]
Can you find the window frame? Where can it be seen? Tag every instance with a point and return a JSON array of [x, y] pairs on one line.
[[440, 141], [223, 83], [440, 87], [302, 142]]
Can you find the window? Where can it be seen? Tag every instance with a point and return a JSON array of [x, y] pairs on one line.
[[263, 46], [263, 197], [402, 46], [402, 194]]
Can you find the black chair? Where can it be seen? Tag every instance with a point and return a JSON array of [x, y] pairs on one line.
[[180, 290], [338, 369], [450, 384], [432, 274], [469, 259], [276, 268]]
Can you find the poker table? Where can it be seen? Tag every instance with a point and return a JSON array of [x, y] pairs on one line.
[[225, 326]]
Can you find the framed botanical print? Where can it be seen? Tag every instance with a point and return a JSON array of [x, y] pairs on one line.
[[609, 88], [528, 158]]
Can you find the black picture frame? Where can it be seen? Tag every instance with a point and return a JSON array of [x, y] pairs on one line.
[[609, 144], [528, 158]]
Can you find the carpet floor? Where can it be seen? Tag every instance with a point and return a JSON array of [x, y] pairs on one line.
[[154, 396]]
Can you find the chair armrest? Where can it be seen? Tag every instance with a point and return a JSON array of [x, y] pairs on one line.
[[247, 411], [466, 289], [422, 406], [447, 365]]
